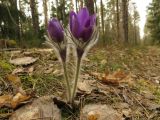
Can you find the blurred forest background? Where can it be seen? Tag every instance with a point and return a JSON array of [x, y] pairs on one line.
[[21, 24]]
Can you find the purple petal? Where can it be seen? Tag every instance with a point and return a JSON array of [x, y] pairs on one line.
[[88, 23], [86, 33], [81, 24], [91, 21], [72, 13], [74, 24], [83, 16], [55, 30]]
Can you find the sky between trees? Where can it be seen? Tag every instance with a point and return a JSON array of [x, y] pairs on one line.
[[141, 7]]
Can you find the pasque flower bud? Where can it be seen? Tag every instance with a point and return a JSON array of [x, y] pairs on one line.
[[57, 39], [83, 29], [82, 25], [55, 31]]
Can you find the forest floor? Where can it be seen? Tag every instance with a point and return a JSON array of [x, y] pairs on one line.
[[128, 79]]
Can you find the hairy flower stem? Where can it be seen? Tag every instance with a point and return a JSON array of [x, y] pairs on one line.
[[76, 78], [67, 82]]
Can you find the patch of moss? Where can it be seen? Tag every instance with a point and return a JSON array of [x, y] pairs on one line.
[[115, 66], [5, 65], [43, 84], [98, 56], [145, 85], [157, 94], [26, 81]]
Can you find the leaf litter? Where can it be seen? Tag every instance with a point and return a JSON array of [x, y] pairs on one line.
[[19, 95], [113, 76]]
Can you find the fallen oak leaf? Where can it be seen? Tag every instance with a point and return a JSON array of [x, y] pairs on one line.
[[99, 76], [119, 74], [5, 100], [16, 83], [18, 98], [13, 101], [115, 78], [105, 78], [110, 80]]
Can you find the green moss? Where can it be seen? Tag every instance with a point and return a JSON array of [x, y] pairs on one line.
[[42, 84], [145, 85], [5, 65], [115, 66], [157, 94]]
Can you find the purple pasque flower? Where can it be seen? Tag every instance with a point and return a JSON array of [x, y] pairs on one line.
[[82, 24], [55, 31], [83, 30], [56, 38]]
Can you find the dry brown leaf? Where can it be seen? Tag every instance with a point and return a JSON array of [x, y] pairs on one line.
[[110, 79], [28, 70], [18, 98], [5, 100], [42, 107], [119, 74], [92, 115], [16, 83], [23, 61], [14, 80], [99, 112], [99, 76], [17, 70], [13, 101], [84, 86], [115, 78]]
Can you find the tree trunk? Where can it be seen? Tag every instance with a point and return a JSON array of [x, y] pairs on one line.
[[21, 8], [57, 8], [63, 10], [45, 9], [77, 5], [81, 3], [17, 28], [135, 30], [125, 20], [72, 5], [117, 20], [35, 18], [102, 19], [90, 5]]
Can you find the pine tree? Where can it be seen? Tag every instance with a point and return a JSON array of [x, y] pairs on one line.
[[35, 17], [125, 19], [153, 21]]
